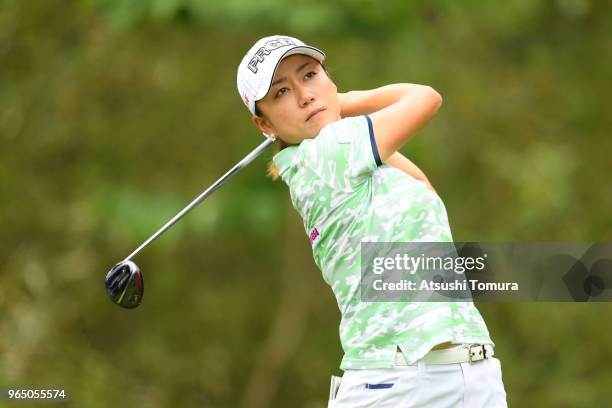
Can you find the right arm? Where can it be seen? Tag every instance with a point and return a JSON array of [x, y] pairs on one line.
[[401, 162], [397, 111]]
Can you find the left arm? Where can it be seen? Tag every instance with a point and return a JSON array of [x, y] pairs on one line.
[[366, 102], [397, 112]]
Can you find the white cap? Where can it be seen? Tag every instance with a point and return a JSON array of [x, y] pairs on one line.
[[256, 71]]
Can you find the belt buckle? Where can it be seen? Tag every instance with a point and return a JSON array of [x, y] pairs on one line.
[[482, 352]]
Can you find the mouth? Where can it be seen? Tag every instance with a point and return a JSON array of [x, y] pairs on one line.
[[314, 112]]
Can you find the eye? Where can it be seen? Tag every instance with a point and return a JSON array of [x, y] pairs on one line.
[[310, 74], [280, 92]]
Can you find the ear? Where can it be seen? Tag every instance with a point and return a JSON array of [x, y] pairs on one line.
[[264, 125]]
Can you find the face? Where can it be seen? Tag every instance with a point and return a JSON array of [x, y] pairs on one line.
[[300, 102]]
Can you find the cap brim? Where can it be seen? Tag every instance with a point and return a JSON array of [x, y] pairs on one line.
[[302, 49]]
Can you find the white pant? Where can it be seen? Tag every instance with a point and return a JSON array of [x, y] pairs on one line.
[[456, 385]]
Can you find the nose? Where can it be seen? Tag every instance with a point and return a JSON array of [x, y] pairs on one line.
[[305, 96]]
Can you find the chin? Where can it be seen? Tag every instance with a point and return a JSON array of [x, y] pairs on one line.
[[325, 122]]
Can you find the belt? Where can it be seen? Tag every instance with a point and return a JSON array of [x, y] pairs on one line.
[[465, 353]]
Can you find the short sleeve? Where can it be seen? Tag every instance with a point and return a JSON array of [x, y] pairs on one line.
[[285, 162], [344, 153]]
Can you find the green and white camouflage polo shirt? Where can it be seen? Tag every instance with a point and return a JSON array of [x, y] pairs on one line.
[[345, 195]]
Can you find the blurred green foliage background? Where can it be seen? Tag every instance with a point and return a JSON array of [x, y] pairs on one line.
[[115, 114]]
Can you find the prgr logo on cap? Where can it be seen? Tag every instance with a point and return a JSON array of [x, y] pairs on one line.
[[266, 49]]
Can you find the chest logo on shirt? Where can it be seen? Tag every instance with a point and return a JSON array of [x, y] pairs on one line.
[[314, 234]]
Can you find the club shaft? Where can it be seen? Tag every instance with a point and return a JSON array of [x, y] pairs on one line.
[[239, 166]]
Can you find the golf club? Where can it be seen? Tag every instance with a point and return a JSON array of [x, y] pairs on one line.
[[124, 282]]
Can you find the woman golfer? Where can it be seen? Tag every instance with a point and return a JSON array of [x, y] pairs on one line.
[[339, 156]]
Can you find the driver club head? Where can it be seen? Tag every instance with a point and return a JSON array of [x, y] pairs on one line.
[[124, 284]]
